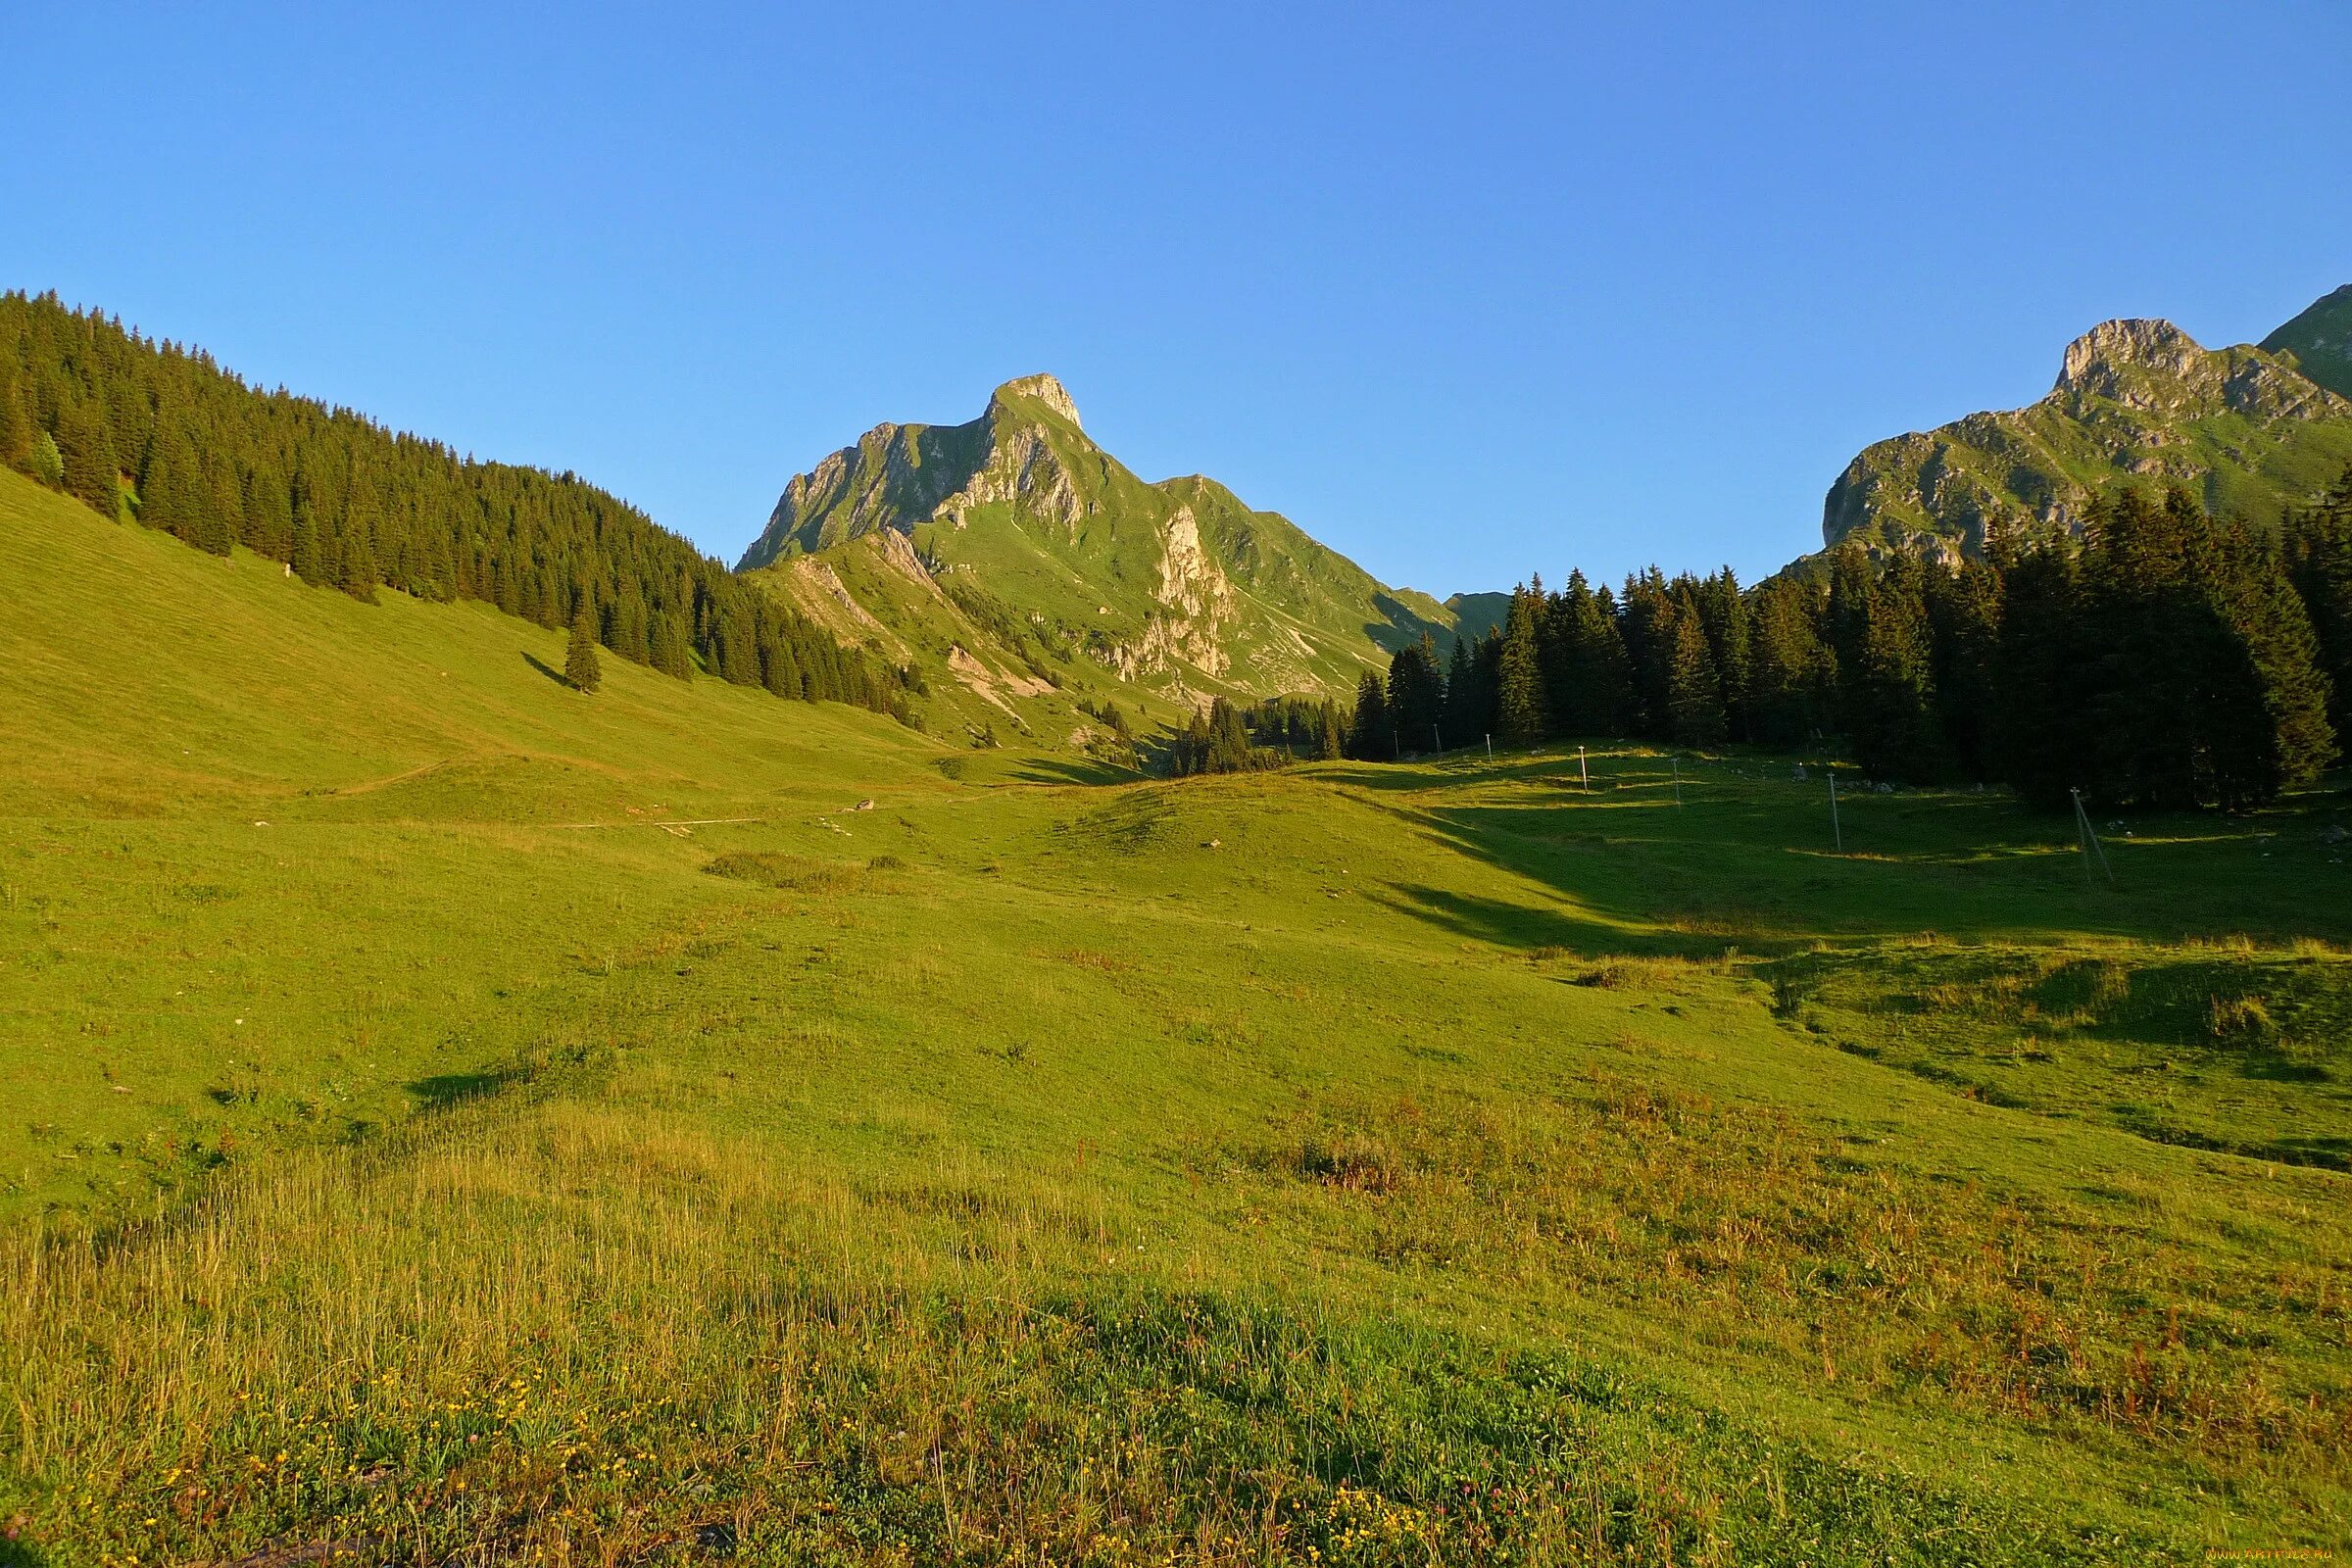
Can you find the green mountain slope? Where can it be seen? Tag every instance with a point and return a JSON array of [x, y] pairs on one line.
[[1176, 590], [2243, 426], [2320, 341], [147, 679]]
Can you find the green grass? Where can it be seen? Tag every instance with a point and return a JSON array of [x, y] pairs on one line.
[[1361, 1165]]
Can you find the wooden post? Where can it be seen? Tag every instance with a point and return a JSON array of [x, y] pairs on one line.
[[1834, 826]]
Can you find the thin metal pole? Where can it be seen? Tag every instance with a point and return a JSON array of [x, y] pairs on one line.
[[1678, 779], [2087, 838], [1835, 826], [1581, 772], [1489, 748]]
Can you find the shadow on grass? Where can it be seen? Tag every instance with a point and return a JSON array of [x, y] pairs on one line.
[[456, 1087], [1515, 925], [1750, 858], [1072, 770], [545, 669]]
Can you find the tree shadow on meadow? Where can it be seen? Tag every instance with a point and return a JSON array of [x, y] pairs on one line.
[[546, 669], [444, 1090], [1751, 858]]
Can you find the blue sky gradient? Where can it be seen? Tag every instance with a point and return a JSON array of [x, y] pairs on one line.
[[1467, 291]]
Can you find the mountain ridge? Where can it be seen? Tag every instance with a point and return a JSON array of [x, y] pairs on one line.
[[2244, 427], [1175, 588]]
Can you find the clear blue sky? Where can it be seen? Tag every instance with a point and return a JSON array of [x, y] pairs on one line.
[[1468, 291]]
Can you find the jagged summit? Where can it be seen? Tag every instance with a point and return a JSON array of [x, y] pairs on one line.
[[1044, 389], [2092, 360]]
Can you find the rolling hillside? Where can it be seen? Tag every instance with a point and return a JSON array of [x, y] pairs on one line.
[[2245, 428], [445, 1115], [1173, 593]]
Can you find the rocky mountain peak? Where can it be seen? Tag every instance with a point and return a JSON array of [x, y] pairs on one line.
[[1044, 389], [2093, 360]]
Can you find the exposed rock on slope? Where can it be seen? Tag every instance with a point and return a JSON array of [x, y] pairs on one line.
[[1176, 586], [2243, 426]]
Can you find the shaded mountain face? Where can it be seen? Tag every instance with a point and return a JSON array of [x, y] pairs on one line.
[[2319, 341], [1176, 589], [2244, 427]]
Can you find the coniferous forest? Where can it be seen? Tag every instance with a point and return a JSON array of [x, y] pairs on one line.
[[2169, 659], [138, 427]]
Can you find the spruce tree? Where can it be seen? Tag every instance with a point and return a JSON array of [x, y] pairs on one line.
[[16, 426], [93, 476], [2039, 736], [1592, 690], [1369, 738], [1723, 615], [1519, 708], [264, 523], [1693, 686], [47, 464], [307, 554], [1791, 668], [1416, 694], [2281, 737], [1465, 713], [581, 666], [2319, 562], [1889, 699], [1964, 623], [1331, 732], [667, 646]]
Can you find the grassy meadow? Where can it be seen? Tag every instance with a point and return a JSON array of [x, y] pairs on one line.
[[446, 1118]]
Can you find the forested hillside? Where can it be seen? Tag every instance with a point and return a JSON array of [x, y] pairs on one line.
[[149, 429], [2171, 659]]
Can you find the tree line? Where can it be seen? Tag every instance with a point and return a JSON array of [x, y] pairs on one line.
[[128, 424], [2168, 658]]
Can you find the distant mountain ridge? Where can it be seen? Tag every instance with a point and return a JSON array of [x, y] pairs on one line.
[[2248, 429], [1174, 588]]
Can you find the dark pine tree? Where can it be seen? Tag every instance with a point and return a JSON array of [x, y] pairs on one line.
[[1465, 715], [1520, 715], [1369, 738], [16, 423], [1890, 697], [2319, 562], [1416, 696], [92, 475], [1964, 624], [1791, 671], [1593, 691], [2039, 736], [1723, 615], [1693, 686], [581, 666]]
